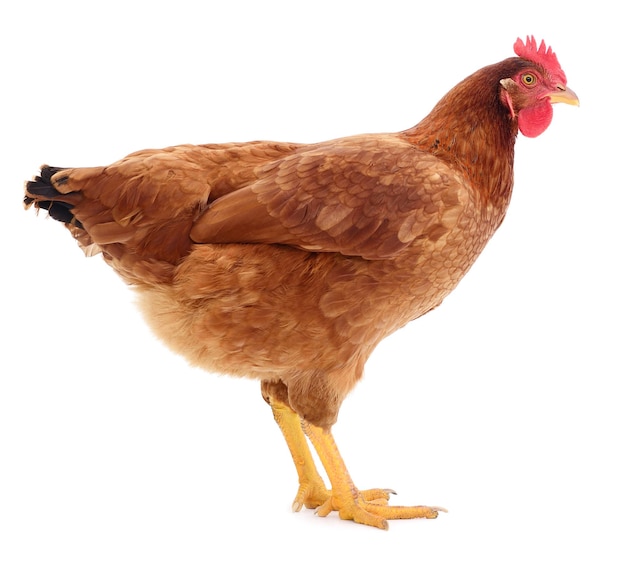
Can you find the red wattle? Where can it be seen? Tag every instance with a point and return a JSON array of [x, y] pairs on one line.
[[534, 121]]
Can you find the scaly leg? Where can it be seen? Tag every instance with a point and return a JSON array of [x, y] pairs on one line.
[[312, 491], [363, 506], [346, 498]]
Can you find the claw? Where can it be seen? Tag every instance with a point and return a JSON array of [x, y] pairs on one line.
[[310, 494], [439, 509], [375, 494], [325, 509]]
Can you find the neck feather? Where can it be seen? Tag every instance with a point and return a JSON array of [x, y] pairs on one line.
[[471, 129]]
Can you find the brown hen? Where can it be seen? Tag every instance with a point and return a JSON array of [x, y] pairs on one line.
[[288, 263]]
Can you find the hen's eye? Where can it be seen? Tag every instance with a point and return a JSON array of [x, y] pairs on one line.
[[529, 79]]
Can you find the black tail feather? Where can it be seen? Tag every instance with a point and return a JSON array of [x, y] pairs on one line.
[[47, 171], [60, 211], [42, 187]]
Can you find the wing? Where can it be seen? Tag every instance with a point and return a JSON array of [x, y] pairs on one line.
[[369, 196]]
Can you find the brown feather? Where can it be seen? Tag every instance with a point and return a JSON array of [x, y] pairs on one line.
[[345, 196]]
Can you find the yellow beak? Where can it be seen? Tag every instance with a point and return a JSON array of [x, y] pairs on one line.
[[564, 95]]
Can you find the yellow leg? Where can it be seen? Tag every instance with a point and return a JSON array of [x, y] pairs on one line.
[[361, 507], [312, 491]]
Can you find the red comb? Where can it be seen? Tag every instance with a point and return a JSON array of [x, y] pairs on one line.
[[541, 55]]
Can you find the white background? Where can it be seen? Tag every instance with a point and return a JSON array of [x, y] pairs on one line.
[[118, 461]]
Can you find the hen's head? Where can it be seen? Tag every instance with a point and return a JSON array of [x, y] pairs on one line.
[[539, 82]]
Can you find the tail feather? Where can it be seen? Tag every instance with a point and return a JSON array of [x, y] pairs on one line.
[[42, 193], [41, 186], [60, 211]]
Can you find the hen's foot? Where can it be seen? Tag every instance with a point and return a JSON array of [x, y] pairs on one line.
[[365, 507], [373, 512]]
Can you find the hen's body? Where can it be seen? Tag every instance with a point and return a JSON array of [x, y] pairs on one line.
[[289, 263], [275, 312]]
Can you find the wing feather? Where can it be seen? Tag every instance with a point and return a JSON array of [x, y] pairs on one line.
[[368, 196]]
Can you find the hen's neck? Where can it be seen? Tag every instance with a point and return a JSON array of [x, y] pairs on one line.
[[472, 130]]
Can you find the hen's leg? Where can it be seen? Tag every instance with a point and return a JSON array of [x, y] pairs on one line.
[[312, 491], [346, 498], [362, 506]]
